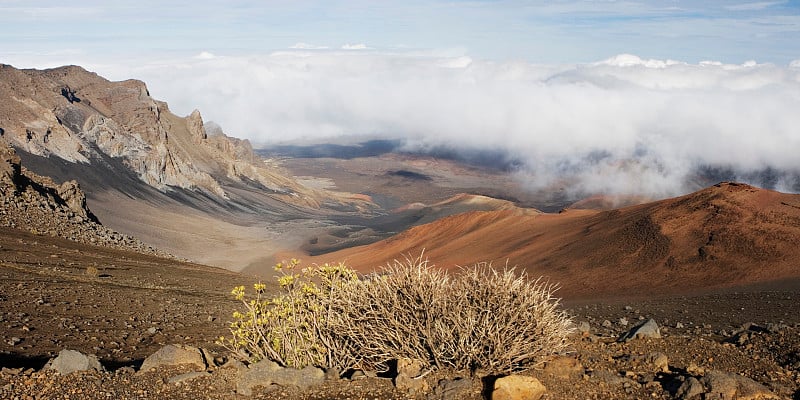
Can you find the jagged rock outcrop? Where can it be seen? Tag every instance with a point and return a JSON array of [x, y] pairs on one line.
[[39, 205], [16, 181], [78, 116]]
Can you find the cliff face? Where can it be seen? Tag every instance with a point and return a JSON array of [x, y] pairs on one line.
[[15, 181], [37, 204], [78, 116]]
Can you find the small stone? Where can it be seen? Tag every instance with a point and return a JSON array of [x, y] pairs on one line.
[[658, 362], [518, 387], [647, 329], [606, 324], [451, 389], [584, 328], [623, 321], [691, 388]]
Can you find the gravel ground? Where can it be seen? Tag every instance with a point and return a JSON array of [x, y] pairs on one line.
[[122, 306]]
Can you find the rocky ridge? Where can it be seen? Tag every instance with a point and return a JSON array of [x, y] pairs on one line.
[[39, 205], [80, 117]]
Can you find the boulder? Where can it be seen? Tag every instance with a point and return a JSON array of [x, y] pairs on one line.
[[194, 123], [75, 199], [451, 389], [173, 354], [518, 387], [267, 373], [646, 329], [725, 385], [690, 389], [10, 165], [69, 361]]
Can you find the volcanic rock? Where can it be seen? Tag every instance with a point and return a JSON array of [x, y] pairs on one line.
[[518, 387], [647, 329], [408, 371], [35, 203], [69, 361], [267, 373], [174, 355], [733, 386], [451, 389], [690, 389]]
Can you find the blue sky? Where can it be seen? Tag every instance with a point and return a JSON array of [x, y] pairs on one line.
[[621, 96], [39, 32]]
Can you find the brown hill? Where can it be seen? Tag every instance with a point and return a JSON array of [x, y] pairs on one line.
[[723, 236]]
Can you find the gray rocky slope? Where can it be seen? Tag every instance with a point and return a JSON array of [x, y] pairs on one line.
[[76, 116]]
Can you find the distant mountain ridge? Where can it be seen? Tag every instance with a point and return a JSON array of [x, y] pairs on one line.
[[177, 183], [78, 116]]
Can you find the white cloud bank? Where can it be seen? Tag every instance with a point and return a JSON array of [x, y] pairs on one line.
[[623, 125]]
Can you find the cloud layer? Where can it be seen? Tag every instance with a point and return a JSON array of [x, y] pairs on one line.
[[622, 125]]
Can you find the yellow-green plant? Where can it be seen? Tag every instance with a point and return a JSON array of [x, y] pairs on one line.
[[292, 328], [496, 320]]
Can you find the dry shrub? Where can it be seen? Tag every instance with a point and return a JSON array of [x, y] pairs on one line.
[[398, 313], [482, 318], [498, 321], [504, 321]]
